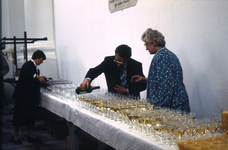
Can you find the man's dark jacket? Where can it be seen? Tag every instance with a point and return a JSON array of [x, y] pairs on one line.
[[26, 95], [112, 74]]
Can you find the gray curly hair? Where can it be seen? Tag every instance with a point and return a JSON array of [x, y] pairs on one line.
[[153, 35]]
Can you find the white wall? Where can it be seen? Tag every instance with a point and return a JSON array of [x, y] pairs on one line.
[[39, 15], [196, 31], [39, 23]]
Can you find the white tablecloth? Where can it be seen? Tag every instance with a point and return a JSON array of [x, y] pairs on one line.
[[116, 134]]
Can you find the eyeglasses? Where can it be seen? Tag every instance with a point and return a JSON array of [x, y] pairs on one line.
[[118, 62]]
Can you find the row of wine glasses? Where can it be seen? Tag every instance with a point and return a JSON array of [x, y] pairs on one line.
[[62, 89], [165, 125]]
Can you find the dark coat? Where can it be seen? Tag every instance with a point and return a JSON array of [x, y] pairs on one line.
[[26, 95], [112, 74]]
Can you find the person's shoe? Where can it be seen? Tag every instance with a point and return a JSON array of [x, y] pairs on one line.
[[32, 140], [18, 142]]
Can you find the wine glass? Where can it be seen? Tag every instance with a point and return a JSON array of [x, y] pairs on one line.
[[172, 138], [201, 129], [190, 131], [179, 132], [213, 127], [217, 118], [157, 129], [224, 128], [148, 125]]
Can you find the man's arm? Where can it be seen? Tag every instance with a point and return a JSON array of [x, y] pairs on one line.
[[93, 73], [96, 71], [136, 87]]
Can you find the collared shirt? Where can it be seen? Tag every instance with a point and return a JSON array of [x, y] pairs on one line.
[[34, 62]]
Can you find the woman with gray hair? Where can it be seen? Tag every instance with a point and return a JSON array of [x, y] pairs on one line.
[[165, 85]]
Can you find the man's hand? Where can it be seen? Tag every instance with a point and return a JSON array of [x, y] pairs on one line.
[[85, 83], [45, 78], [138, 78], [41, 79], [120, 89]]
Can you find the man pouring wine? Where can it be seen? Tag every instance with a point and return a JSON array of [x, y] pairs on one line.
[[118, 71]]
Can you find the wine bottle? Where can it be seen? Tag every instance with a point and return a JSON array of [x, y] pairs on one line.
[[47, 79], [87, 90]]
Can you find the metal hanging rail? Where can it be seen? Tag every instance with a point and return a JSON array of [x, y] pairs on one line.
[[16, 41]]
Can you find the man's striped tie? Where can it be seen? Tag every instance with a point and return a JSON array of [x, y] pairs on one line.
[[123, 78]]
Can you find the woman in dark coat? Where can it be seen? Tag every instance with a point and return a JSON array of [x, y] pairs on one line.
[[26, 96]]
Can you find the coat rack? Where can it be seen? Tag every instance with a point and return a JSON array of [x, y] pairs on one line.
[[16, 41]]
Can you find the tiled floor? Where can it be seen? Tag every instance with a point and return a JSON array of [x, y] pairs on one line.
[[40, 132]]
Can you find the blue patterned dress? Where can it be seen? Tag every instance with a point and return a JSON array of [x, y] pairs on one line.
[[165, 85]]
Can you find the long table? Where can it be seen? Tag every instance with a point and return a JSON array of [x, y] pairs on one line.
[[116, 134]]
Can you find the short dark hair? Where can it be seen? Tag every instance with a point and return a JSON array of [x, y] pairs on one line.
[[38, 54], [123, 51]]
